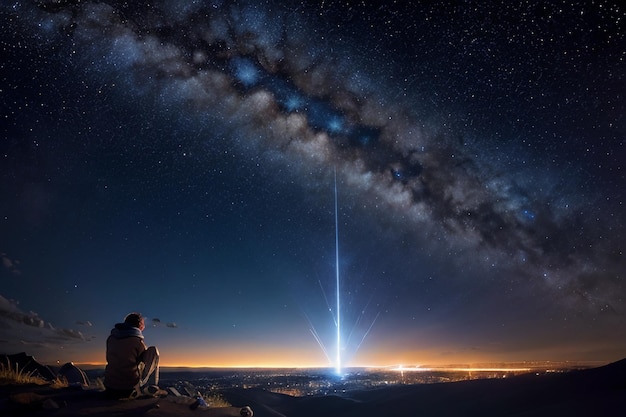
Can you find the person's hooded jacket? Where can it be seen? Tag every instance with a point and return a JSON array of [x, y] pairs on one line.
[[125, 346]]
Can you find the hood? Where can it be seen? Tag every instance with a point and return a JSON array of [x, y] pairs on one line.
[[123, 330]]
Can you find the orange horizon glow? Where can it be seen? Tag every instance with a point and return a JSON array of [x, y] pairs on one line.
[[397, 368], [425, 366], [268, 357], [456, 369]]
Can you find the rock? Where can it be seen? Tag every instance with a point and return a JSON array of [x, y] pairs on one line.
[[50, 404]]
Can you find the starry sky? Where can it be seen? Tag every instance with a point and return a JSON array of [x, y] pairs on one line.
[[199, 161]]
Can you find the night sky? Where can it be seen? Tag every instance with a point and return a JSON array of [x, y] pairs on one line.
[[178, 158]]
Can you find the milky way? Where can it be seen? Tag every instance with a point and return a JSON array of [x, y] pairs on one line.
[[280, 85], [246, 66]]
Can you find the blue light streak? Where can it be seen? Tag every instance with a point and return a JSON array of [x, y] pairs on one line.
[[338, 363], [340, 350]]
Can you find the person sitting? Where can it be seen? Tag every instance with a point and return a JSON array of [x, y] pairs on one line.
[[132, 368]]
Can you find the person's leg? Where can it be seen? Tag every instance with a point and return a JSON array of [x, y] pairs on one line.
[[150, 372]]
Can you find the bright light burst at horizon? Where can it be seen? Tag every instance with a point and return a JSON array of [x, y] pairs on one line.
[[341, 349]]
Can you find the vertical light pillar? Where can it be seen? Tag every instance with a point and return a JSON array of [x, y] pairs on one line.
[[338, 359]]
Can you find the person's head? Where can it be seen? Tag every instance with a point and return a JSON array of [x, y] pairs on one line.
[[135, 320]]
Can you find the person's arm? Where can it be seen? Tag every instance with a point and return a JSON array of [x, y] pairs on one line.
[[141, 350]]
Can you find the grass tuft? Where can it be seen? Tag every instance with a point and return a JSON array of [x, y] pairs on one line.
[[13, 375], [214, 399]]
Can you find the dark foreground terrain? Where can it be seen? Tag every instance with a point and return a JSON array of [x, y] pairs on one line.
[[592, 392]]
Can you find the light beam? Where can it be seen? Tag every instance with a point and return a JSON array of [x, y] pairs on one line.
[[338, 362]]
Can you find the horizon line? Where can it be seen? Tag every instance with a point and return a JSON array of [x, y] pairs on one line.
[[461, 367]]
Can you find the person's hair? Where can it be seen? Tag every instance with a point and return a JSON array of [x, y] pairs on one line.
[[133, 319]]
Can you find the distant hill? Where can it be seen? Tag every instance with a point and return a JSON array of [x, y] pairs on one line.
[[590, 392]]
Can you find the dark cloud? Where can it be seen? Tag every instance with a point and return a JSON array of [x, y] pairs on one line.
[[29, 328], [157, 322], [11, 265]]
